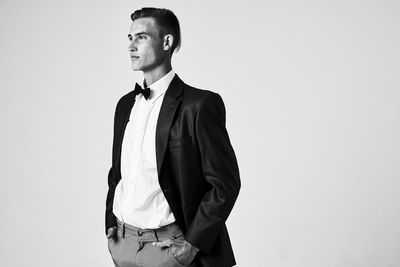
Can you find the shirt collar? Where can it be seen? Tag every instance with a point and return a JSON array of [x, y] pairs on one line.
[[160, 86]]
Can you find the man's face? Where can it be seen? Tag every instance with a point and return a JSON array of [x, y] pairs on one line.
[[146, 45]]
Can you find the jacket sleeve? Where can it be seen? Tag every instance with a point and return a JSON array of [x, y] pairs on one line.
[[220, 170], [110, 219]]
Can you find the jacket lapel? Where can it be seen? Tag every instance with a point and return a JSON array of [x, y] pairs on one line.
[[169, 106], [122, 117]]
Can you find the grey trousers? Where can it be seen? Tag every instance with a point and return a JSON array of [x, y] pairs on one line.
[[132, 246]]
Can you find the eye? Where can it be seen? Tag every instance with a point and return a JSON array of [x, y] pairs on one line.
[[142, 37]]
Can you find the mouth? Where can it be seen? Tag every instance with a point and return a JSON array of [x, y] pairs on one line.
[[134, 57]]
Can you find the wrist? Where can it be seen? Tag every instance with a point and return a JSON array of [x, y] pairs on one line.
[[193, 248]]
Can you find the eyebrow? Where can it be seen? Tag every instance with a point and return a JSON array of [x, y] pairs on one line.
[[139, 33]]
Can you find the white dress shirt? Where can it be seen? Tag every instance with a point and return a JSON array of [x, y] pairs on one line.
[[138, 198]]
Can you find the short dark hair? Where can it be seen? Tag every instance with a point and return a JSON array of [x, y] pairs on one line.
[[166, 21]]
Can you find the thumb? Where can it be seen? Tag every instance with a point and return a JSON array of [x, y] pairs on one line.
[[111, 232], [165, 243]]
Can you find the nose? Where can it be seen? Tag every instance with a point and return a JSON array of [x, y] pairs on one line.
[[132, 46]]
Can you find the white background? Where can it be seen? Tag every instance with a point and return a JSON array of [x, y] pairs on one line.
[[312, 93]]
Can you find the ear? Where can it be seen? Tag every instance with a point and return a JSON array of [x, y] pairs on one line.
[[168, 41]]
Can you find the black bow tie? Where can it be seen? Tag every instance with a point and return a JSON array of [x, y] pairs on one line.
[[139, 90]]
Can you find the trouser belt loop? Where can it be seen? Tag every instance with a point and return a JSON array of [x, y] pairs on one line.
[[155, 233]]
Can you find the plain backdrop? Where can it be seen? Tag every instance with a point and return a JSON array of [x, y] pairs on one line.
[[312, 93]]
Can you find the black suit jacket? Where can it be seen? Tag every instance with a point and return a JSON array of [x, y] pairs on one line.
[[197, 167]]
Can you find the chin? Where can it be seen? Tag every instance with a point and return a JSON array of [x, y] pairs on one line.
[[135, 67]]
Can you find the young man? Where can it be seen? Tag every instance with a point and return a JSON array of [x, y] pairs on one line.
[[174, 177]]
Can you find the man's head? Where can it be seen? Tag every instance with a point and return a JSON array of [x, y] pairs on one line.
[[154, 36]]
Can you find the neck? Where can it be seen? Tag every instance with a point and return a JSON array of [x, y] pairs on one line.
[[157, 73]]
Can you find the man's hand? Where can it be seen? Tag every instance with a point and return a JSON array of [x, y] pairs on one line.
[[182, 250], [111, 232]]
